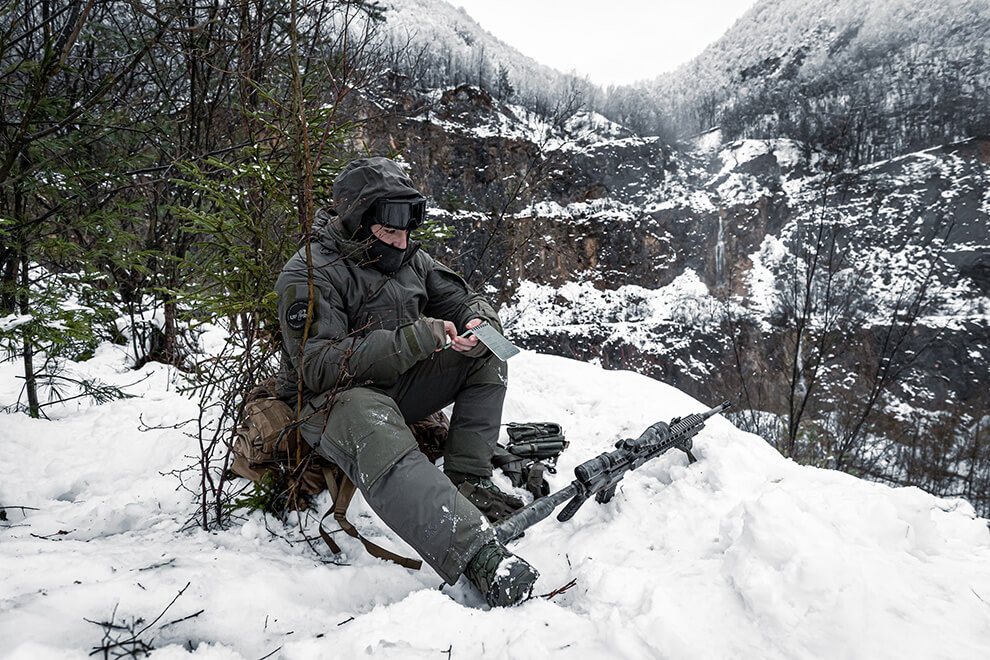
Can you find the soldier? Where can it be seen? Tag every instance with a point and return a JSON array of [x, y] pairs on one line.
[[376, 358]]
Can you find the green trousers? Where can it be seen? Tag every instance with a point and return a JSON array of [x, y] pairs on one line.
[[364, 431]]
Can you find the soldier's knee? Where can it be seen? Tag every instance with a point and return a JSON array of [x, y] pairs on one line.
[[489, 370], [365, 434]]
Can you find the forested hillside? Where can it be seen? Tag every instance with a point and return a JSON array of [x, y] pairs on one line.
[[435, 45], [867, 80]]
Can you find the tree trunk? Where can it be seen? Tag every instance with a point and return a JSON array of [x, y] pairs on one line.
[[30, 382]]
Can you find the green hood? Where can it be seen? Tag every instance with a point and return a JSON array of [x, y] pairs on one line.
[[329, 230], [362, 182]]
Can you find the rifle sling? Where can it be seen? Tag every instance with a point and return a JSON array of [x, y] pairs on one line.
[[499, 461], [341, 493]]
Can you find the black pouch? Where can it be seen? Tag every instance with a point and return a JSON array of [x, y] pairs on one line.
[[532, 451], [537, 441]]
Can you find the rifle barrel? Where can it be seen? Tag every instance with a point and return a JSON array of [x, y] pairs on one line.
[[717, 409], [538, 510]]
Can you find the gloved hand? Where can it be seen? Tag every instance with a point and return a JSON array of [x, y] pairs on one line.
[[441, 330], [470, 346]]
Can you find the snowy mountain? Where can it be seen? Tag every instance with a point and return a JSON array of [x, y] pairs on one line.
[[449, 47], [743, 554], [877, 78]]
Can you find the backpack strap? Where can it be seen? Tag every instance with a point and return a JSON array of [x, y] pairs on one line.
[[341, 493], [500, 460]]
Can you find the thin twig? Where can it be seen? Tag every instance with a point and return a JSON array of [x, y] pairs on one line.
[[159, 565], [181, 591], [559, 590], [195, 614]]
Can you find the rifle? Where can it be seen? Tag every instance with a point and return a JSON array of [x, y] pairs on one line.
[[600, 475]]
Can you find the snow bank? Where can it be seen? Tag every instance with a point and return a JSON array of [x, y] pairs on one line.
[[594, 127], [743, 554]]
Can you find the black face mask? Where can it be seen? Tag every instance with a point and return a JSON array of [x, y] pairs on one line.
[[384, 257], [380, 255]]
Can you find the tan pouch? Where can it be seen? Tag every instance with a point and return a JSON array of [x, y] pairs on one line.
[[255, 441]]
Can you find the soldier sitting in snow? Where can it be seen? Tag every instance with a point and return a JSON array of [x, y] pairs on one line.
[[383, 312]]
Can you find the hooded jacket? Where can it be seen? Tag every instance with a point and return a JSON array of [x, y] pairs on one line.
[[367, 327], [362, 182]]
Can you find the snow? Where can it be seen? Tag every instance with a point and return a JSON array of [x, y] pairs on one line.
[[505, 121], [708, 142], [537, 307], [743, 554], [787, 153], [601, 210], [761, 278], [589, 144], [592, 126], [11, 321]]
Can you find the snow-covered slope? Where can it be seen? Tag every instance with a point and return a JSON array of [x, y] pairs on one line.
[[448, 33], [743, 554]]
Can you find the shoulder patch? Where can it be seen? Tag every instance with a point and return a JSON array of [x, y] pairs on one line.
[[295, 315]]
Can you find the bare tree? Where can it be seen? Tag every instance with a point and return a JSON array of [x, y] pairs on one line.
[[818, 382]]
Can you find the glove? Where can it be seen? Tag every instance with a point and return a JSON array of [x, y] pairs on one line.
[[437, 330], [478, 351]]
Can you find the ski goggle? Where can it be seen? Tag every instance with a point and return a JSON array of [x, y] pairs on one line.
[[399, 213]]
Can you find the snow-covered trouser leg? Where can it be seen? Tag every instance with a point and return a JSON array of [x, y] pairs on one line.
[[476, 387], [366, 436]]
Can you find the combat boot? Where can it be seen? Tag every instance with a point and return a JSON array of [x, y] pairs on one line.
[[496, 504], [501, 576]]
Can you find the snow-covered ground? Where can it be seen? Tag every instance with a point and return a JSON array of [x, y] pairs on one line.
[[741, 555]]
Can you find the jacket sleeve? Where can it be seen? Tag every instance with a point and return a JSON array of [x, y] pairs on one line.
[[336, 357], [450, 298]]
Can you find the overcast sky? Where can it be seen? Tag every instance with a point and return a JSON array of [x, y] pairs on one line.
[[611, 41]]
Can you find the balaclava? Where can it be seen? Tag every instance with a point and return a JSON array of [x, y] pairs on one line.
[[380, 255]]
